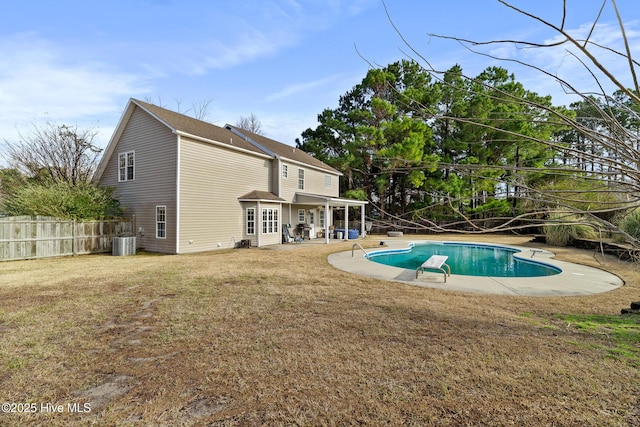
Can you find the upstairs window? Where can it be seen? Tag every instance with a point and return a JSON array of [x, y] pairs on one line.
[[126, 166], [285, 171], [300, 179]]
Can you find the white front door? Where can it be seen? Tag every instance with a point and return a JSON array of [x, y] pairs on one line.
[[312, 224]]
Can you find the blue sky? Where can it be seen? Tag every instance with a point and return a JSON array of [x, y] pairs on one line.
[[77, 62]]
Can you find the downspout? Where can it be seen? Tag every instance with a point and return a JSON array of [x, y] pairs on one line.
[[362, 218], [177, 226]]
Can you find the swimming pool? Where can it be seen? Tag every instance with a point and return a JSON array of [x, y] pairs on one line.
[[467, 259]]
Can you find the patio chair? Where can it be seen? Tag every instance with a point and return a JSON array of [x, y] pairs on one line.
[[288, 236]]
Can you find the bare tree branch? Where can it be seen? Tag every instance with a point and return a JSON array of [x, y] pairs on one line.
[[57, 153], [250, 123], [610, 147]]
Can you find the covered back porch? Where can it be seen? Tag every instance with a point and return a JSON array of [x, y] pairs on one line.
[[317, 212]]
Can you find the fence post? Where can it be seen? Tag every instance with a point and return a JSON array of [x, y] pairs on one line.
[[73, 237]]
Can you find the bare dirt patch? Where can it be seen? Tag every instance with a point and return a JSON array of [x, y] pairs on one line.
[[267, 337]]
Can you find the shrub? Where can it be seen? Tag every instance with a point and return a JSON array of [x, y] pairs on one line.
[[577, 192], [630, 223], [493, 208], [63, 200], [564, 228]]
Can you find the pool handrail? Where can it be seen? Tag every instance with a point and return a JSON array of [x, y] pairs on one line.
[[358, 245]]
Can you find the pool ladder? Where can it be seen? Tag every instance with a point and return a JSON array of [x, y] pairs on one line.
[[358, 245]]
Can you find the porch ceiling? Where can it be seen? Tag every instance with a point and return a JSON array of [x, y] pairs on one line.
[[317, 199]]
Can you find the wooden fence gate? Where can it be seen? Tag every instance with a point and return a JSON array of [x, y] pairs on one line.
[[26, 237]]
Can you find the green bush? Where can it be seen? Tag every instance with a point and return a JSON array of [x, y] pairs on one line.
[[63, 200], [493, 208], [630, 223], [564, 228], [577, 192]]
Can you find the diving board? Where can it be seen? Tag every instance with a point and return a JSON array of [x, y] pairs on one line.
[[435, 262]]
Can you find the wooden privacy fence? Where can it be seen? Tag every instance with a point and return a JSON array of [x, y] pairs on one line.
[[26, 237]]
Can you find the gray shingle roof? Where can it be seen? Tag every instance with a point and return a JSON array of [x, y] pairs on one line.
[[286, 151], [261, 195], [195, 127], [202, 129]]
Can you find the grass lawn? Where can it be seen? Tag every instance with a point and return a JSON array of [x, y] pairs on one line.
[[279, 337]]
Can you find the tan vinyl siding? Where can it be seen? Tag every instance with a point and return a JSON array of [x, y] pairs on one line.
[[155, 178], [314, 182], [211, 180]]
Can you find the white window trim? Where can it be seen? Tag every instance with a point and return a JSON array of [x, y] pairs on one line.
[[164, 222], [285, 171], [270, 220], [302, 216], [300, 179], [251, 221], [125, 169]]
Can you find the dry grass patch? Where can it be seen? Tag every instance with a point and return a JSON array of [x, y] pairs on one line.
[[263, 337]]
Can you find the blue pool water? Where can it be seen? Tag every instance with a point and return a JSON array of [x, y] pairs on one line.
[[467, 259]]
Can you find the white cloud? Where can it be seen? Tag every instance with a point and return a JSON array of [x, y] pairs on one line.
[[274, 26], [218, 54], [40, 81], [297, 88]]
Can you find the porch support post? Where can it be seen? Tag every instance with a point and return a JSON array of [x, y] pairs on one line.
[[326, 221], [346, 222]]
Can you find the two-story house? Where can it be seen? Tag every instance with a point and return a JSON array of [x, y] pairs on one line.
[[194, 186]]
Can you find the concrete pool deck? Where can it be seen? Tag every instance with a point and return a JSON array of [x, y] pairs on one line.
[[574, 280]]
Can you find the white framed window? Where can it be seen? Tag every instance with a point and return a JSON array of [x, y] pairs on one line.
[[127, 166], [301, 216], [300, 179], [285, 171], [161, 222], [321, 218], [327, 181], [270, 221], [251, 221]]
